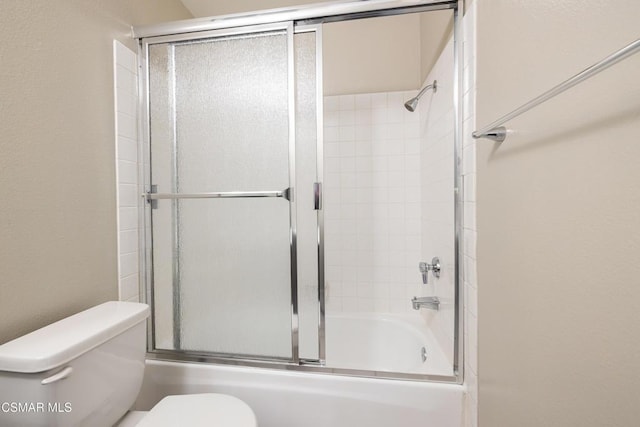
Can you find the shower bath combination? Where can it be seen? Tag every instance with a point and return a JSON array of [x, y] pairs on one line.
[[207, 202], [215, 204]]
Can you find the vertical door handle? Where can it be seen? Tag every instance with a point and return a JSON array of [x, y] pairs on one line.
[[317, 196]]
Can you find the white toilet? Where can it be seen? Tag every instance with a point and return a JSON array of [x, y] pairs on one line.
[[87, 370]]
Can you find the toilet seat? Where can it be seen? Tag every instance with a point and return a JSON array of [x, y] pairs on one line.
[[200, 410]]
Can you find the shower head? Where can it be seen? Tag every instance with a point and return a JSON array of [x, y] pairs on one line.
[[413, 102]]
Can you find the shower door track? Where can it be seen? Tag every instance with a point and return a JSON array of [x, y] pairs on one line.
[[312, 14], [303, 365], [310, 19]]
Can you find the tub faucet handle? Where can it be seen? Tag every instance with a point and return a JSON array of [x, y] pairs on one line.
[[434, 267], [424, 269]]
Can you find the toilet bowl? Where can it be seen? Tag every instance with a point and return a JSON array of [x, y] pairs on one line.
[[87, 370], [194, 410]]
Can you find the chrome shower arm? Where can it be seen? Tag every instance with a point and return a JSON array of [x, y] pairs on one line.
[[433, 85]]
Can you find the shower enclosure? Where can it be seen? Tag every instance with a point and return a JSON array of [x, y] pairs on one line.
[[234, 174]]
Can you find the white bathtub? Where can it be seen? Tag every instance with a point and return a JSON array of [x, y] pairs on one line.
[[383, 342], [282, 398], [295, 399]]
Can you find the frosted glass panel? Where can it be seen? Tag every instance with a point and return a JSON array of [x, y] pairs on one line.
[[219, 116], [234, 276], [307, 217], [162, 131], [232, 114]]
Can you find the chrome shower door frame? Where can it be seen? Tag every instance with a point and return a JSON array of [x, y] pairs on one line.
[[309, 18], [149, 195]]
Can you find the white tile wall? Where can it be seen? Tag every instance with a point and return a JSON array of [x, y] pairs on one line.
[[125, 75], [388, 180], [469, 221], [372, 202]]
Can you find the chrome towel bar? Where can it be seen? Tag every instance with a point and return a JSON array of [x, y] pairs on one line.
[[496, 132]]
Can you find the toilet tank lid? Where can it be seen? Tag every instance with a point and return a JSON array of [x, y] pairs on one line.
[[62, 341]]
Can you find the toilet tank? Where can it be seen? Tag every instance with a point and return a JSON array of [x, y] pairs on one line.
[[85, 370]]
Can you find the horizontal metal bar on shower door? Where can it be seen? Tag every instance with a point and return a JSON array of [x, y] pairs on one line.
[[285, 194], [496, 132]]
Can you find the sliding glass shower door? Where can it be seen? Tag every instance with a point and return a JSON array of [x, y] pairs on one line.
[[222, 204]]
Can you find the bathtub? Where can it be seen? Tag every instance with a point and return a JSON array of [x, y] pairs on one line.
[[285, 398], [383, 342], [282, 398]]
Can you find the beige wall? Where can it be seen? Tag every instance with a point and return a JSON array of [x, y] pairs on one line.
[[361, 56], [558, 209], [57, 178], [371, 55], [436, 28], [204, 8]]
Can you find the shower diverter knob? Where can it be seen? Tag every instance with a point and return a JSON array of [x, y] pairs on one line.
[[425, 268]]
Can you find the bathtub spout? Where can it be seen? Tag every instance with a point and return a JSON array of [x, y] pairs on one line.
[[432, 303]]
